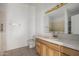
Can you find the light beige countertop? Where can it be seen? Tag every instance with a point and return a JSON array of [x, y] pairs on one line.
[[71, 43]]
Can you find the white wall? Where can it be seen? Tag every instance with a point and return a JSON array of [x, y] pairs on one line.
[[66, 21], [42, 19], [18, 25], [32, 21]]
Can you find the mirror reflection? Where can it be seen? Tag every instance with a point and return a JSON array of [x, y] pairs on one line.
[[65, 19]]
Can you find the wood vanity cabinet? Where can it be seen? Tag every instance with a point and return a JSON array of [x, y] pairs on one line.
[[45, 48]]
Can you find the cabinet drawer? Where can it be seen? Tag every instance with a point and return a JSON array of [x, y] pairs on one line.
[[69, 51]]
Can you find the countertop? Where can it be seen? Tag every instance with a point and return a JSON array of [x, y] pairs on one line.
[[71, 43]]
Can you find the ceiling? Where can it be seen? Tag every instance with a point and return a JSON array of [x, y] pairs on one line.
[[42, 4]]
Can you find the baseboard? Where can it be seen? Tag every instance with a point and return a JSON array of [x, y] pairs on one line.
[[16, 48]]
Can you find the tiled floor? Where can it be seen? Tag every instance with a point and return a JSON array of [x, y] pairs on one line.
[[24, 51]]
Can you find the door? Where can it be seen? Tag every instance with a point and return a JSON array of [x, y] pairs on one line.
[[1, 39], [38, 47], [52, 52], [2, 29]]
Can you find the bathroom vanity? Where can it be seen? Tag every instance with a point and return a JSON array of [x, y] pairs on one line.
[[64, 23], [56, 47]]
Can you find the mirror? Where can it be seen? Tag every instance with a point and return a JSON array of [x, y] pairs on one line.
[[56, 21], [64, 20]]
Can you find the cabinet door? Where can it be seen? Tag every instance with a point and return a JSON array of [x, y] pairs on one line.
[[43, 49], [52, 52], [56, 53], [38, 47], [62, 54]]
